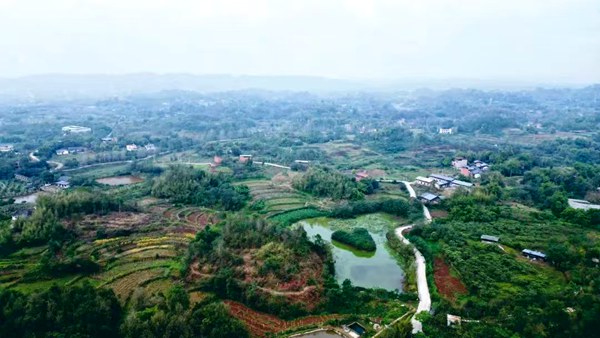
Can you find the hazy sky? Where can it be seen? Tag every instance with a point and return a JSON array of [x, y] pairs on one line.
[[530, 40]]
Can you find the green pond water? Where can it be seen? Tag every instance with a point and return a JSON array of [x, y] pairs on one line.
[[377, 269]]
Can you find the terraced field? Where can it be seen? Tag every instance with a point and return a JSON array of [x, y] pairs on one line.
[[277, 197], [190, 219], [14, 267], [150, 258], [149, 262]]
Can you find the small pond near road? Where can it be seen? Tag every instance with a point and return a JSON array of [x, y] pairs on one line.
[[120, 180], [377, 269]]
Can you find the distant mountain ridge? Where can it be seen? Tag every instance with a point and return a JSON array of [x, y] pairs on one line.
[[65, 86]]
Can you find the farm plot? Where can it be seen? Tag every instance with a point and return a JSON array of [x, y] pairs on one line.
[[13, 267], [190, 219], [131, 262], [125, 285], [448, 285], [129, 247], [261, 324], [159, 284], [113, 222]]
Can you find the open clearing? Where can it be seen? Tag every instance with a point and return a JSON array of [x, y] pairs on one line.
[[448, 286]]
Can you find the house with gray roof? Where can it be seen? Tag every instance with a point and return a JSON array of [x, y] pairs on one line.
[[534, 255], [490, 239], [429, 198]]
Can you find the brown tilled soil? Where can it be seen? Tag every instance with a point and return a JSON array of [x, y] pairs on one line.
[[112, 221], [448, 286], [376, 173], [438, 213]]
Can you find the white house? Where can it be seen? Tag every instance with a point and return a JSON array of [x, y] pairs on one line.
[[460, 162], [63, 184], [447, 131], [425, 181], [131, 147], [4, 148], [76, 129]]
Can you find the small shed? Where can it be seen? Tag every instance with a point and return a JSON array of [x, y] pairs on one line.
[[490, 239], [453, 320], [429, 198], [245, 158], [534, 255]]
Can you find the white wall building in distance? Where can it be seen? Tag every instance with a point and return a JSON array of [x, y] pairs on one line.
[[447, 131], [5, 148], [75, 129]]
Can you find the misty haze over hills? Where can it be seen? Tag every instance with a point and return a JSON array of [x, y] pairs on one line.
[[64, 86]]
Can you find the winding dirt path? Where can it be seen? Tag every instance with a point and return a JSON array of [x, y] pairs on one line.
[[58, 165], [287, 293]]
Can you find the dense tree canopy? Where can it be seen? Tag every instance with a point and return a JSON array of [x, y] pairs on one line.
[[183, 184], [324, 182]]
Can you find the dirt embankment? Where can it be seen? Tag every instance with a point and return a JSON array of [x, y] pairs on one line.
[[261, 324], [448, 286]]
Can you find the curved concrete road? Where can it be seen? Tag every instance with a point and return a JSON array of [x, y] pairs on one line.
[[426, 214], [33, 157], [413, 194], [58, 165], [410, 189], [422, 287]]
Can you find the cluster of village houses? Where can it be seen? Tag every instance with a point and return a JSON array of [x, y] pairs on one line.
[[61, 183], [442, 182]]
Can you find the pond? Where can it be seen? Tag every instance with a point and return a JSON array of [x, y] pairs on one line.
[[120, 180], [367, 269]]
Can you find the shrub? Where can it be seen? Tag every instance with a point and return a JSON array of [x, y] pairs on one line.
[[358, 238]]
